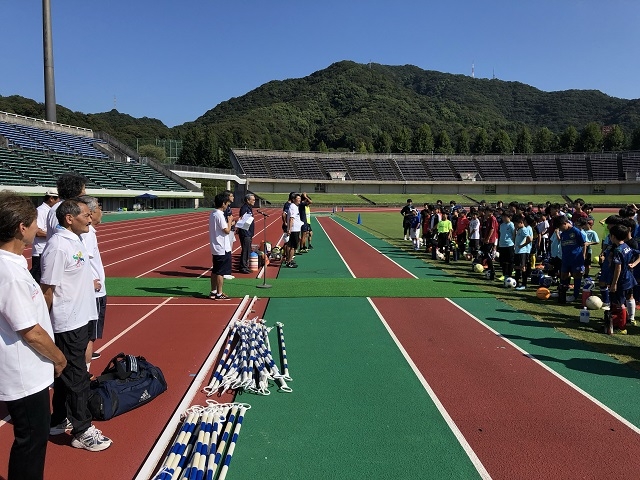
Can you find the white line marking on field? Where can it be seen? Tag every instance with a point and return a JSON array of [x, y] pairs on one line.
[[338, 251], [550, 370], [130, 327], [445, 415], [172, 260], [374, 248]]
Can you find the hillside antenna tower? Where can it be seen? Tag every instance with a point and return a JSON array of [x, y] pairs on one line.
[[473, 73], [49, 82]]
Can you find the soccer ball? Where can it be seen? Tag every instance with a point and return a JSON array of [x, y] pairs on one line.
[[546, 281], [593, 302], [440, 255], [478, 268], [543, 293], [510, 282], [588, 284], [487, 274]]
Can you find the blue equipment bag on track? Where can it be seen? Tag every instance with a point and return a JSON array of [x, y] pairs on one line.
[[125, 384]]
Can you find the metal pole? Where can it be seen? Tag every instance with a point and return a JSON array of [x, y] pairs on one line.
[[264, 251], [49, 82]]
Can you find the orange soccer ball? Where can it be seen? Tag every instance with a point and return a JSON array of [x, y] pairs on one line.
[[543, 293]]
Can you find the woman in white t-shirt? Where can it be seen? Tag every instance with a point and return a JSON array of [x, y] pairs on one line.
[[30, 359]]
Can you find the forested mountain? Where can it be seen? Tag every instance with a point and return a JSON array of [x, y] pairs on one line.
[[378, 108]]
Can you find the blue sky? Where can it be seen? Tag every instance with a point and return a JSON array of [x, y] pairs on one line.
[[174, 60]]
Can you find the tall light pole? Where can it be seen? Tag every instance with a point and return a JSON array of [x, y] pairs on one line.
[[49, 82]]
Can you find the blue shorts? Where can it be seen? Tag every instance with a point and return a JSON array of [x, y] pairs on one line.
[[575, 266]]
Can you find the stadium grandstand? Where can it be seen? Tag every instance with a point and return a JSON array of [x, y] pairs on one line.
[[34, 152], [607, 173]]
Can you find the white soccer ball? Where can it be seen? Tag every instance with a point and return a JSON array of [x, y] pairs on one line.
[[593, 302], [440, 255], [510, 282]]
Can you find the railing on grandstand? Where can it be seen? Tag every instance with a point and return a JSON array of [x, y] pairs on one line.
[[191, 168]]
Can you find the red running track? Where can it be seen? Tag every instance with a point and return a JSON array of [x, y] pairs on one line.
[[519, 419], [177, 334]]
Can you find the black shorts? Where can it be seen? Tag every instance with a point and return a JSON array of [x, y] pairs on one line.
[[294, 240], [587, 260], [221, 264], [443, 240], [521, 261], [305, 227], [96, 327]]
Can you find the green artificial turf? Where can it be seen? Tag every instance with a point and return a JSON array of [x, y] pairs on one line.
[[356, 411], [295, 286]]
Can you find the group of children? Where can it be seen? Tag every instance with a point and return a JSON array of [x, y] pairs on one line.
[[518, 238]]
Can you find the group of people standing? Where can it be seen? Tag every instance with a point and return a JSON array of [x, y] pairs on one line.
[[511, 240], [49, 317]]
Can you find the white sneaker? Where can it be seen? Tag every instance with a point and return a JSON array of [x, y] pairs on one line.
[[228, 277], [92, 440], [61, 428]]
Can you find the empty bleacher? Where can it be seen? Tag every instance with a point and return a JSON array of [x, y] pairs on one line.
[[440, 169], [333, 164], [604, 166], [308, 168], [631, 166], [41, 139], [385, 169], [574, 167], [412, 170], [545, 167], [517, 167], [463, 165], [280, 167], [491, 168], [361, 169]]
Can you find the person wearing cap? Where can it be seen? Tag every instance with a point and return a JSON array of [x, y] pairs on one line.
[[50, 199]]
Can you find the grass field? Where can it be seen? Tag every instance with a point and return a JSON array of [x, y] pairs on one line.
[[565, 318], [337, 199]]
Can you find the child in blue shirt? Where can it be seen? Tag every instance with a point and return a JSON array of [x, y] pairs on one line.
[[592, 239], [574, 249], [506, 244], [522, 248], [622, 281]]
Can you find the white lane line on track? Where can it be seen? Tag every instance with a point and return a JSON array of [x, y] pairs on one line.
[[212, 304], [445, 415], [143, 253], [374, 248], [146, 240], [5, 420], [133, 325], [549, 369], [173, 260], [338, 251]]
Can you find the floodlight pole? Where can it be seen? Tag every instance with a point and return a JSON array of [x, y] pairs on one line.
[[49, 82], [264, 251]]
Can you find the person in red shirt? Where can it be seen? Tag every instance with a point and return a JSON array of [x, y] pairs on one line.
[[489, 237]]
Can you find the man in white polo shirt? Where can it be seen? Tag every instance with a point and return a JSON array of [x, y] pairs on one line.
[[67, 284], [50, 199], [30, 359]]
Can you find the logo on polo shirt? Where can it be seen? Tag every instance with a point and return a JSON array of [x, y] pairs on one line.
[[79, 259]]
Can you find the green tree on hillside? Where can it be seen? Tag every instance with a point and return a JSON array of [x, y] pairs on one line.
[[481, 144], [502, 143], [402, 140], [153, 151], [614, 141], [423, 139], [443, 143], [322, 147], [462, 142], [544, 141], [591, 138], [635, 139], [524, 141], [383, 143], [569, 139]]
